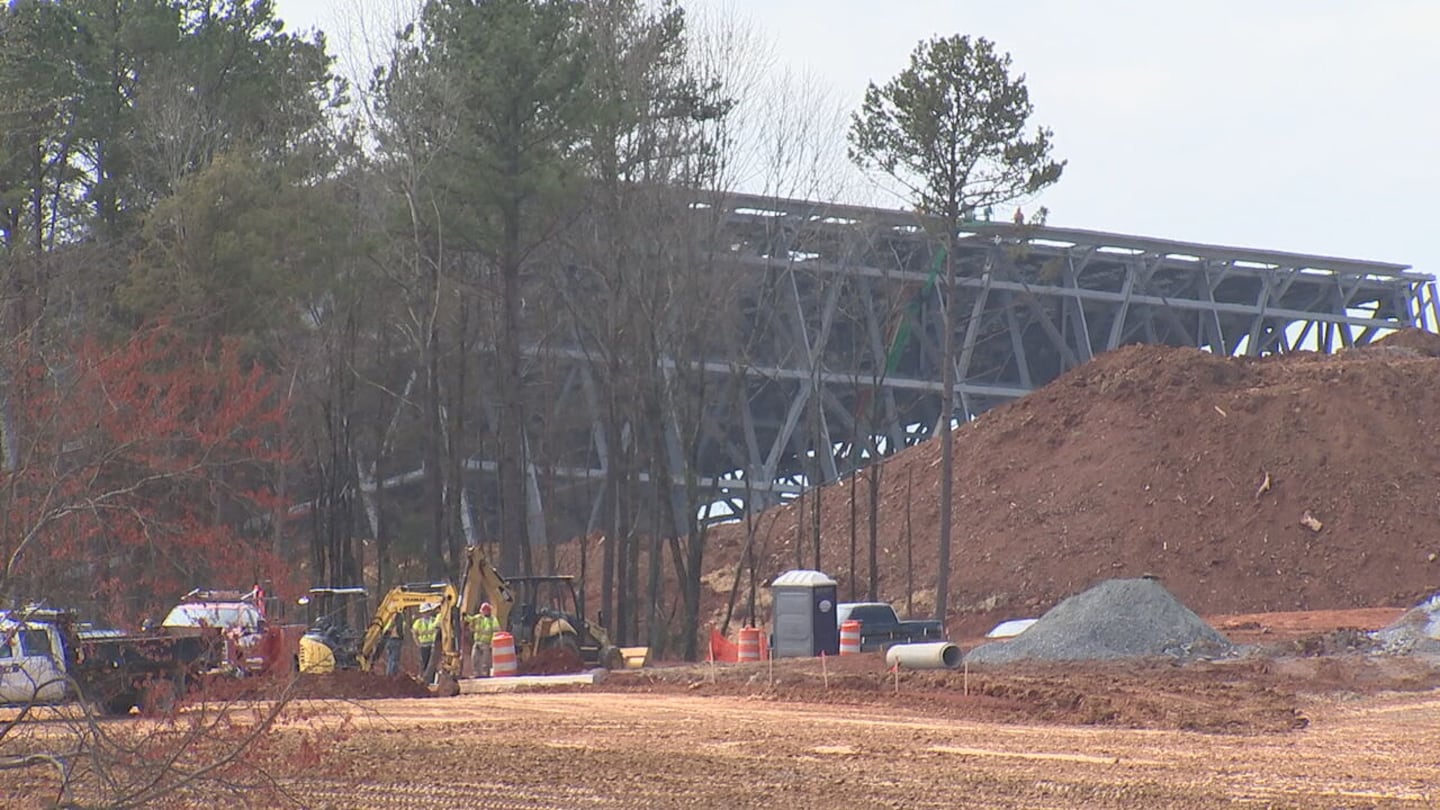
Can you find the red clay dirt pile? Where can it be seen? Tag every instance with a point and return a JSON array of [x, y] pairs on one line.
[[1290, 482]]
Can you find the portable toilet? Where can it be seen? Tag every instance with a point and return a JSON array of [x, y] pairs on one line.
[[803, 621]]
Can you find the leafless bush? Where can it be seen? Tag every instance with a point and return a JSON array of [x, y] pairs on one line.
[[218, 748]]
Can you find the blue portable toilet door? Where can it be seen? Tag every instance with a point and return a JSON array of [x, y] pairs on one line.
[[827, 630]]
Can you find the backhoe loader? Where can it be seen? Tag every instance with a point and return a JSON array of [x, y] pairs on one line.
[[543, 614]]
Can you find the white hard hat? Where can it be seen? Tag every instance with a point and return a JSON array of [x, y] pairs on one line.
[[426, 607]]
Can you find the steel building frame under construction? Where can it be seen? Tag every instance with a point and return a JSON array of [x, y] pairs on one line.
[[835, 347]]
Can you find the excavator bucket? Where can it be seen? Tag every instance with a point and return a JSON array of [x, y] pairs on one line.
[[445, 685], [635, 657]]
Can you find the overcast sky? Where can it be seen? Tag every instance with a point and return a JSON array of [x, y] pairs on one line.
[[1302, 125]]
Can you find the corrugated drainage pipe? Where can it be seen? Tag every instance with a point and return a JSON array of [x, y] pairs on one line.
[[934, 655]]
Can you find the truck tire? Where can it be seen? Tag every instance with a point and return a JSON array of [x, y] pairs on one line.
[[556, 655], [564, 643]]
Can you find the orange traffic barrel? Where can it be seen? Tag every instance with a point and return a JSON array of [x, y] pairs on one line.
[[502, 655], [849, 637], [750, 643]]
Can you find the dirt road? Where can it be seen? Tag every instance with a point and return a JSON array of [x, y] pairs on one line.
[[648, 750]]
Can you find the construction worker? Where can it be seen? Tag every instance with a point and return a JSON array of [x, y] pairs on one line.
[[426, 627], [394, 636], [482, 632]]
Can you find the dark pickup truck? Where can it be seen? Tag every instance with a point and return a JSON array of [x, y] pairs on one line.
[[46, 656], [880, 627]]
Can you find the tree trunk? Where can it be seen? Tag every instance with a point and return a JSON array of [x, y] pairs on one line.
[[454, 445], [800, 514], [942, 427], [854, 530], [382, 535], [817, 482], [873, 592], [514, 528], [434, 451]]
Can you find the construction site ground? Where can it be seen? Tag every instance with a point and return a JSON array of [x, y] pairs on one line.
[[1298, 721], [1300, 483], [682, 749]]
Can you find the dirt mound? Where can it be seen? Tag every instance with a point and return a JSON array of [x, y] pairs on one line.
[[356, 685], [1417, 341], [1290, 482], [559, 660], [340, 685], [1119, 618], [1240, 695]]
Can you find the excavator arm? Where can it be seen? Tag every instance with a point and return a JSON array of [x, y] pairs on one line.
[[404, 596], [483, 583]]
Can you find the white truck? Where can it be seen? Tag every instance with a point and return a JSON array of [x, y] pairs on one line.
[[46, 656]]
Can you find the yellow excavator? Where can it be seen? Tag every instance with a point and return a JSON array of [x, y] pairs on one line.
[[543, 615], [447, 645]]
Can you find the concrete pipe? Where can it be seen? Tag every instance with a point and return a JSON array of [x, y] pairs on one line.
[[934, 655]]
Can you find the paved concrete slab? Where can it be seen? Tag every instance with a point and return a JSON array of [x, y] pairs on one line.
[[476, 686]]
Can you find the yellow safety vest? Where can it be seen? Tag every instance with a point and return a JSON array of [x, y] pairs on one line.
[[482, 627], [425, 630]]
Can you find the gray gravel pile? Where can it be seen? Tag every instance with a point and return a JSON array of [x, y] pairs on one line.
[[1416, 631], [1119, 618]]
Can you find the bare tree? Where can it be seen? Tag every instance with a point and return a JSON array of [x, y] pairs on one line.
[[65, 756]]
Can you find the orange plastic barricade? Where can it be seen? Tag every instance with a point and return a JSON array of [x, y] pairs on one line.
[[750, 642], [849, 637], [502, 655], [723, 649]]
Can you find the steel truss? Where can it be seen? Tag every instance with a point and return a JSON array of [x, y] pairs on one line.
[[833, 354]]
